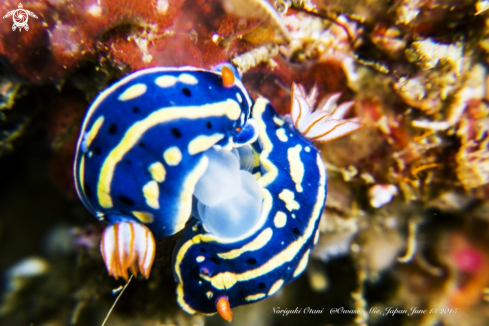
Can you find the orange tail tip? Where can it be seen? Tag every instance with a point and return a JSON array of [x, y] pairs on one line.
[[127, 245], [227, 77], [224, 309]]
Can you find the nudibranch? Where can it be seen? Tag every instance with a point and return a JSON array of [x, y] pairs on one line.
[[166, 149]]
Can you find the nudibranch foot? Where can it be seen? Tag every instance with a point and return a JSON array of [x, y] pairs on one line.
[[127, 245]]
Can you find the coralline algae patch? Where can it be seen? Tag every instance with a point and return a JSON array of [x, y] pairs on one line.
[[68, 32]]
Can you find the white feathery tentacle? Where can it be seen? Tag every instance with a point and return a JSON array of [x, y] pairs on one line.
[[312, 96], [326, 122], [343, 109], [125, 237], [328, 104], [145, 249], [339, 129], [128, 245], [107, 247], [295, 109]]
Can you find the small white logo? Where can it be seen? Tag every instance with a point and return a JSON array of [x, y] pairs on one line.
[[20, 17]]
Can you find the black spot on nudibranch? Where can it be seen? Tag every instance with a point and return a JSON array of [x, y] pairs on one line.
[[135, 109], [296, 231], [112, 129], [129, 162], [203, 250], [251, 261], [142, 145], [97, 150], [176, 133], [215, 260], [261, 286], [186, 91], [208, 124], [125, 200]]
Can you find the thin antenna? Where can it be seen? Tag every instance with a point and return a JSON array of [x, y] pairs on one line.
[[117, 299]]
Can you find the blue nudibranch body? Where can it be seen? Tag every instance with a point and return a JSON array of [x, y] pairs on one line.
[[143, 139], [294, 190], [166, 149]]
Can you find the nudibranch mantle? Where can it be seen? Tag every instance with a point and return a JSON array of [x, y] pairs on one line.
[[152, 146], [143, 140]]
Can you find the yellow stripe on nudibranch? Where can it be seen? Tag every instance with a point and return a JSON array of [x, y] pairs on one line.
[[90, 136], [281, 135], [200, 259], [278, 121], [181, 301], [229, 108], [280, 219], [133, 92], [81, 175], [188, 188], [288, 198], [203, 143], [188, 79], [275, 287], [151, 193], [169, 81], [166, 81], [158, 172], [255, 297], [302, 264], [259, 242], [296, 166], [316, 237], [240, 99], [93, 131], [272, 172], [144, 217], [172, 156]]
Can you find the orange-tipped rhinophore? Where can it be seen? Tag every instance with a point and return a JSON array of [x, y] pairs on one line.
[[127, 245], [227, 77], [224, 309]]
